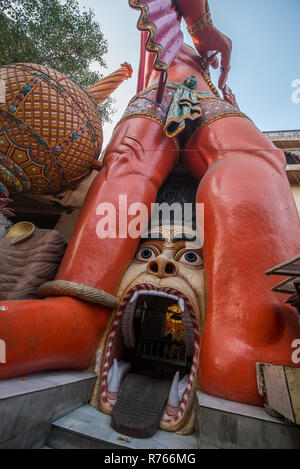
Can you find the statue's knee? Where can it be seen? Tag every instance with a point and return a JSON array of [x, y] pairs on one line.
[[125, 165], [229, 137], [126, 156]]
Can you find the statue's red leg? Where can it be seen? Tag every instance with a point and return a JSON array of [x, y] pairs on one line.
[[137, 162], [63, 333], [251, 225]]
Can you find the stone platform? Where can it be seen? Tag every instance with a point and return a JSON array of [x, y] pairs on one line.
[[28, 405], [221, 424], [50, 410], [231, 425], [87, 428]]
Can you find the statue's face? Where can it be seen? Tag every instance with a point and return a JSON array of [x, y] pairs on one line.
[[158, 326]]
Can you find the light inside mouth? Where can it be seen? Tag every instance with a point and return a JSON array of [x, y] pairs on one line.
[[147, 340]]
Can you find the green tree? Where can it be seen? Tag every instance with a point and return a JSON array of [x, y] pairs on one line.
[[53, 33]]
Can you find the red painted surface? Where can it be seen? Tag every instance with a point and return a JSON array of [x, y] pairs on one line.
[[51, 334], [251, 224]]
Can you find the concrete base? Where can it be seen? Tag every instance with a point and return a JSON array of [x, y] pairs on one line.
[[87, 428], [230, 425], [28, 406], [50, 410]]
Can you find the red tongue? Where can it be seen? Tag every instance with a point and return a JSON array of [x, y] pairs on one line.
[[140, 405]]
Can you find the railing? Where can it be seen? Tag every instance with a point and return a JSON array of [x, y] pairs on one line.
[[162, 350]]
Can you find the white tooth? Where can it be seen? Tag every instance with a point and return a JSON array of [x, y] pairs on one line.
[[181, 304], [167, 295], [172, 297], [98, 356], [134, 296], [114, 383], [124, 367], [163, 294], [116, 375], [138, 293], [181, 386], [173, 400], [177, 390], [109, 375]]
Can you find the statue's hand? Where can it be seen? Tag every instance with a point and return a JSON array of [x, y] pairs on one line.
[[211, 39]]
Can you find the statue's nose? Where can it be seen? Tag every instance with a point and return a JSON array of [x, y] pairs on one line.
[[162, 267]]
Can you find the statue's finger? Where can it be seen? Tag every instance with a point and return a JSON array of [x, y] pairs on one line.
[[225, 62]]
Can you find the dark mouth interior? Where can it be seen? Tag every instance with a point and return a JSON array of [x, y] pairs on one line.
[[159, 349], [154, 341]]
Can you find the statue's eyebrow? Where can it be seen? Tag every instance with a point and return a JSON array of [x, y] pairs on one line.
[[153, 237]]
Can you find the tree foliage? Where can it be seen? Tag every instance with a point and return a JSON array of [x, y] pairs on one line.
[[53, 33]]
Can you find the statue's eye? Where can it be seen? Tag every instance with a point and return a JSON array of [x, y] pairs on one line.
[[192, 258], [145, 254]]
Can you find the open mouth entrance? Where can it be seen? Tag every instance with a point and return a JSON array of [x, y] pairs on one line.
[[151, 360]]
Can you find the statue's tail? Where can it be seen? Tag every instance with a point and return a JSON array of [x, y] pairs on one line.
[[104, 88]]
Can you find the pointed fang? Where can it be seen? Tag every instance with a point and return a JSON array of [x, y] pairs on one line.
[[176, 394], [115, 377]]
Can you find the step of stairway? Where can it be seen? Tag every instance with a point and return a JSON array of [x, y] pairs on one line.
[[87, 428], [29, 404], [230, 425], [221, 424]]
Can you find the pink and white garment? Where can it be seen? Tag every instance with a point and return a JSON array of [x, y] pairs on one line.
[[160, 24]]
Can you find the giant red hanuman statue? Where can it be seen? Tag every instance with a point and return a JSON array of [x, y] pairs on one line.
[[250, 217]]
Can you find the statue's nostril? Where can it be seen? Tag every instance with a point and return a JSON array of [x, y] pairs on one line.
[[170, 268], [153, 267]]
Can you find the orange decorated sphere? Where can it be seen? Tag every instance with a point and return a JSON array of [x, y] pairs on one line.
[[50, 131]]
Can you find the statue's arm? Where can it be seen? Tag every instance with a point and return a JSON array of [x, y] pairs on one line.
[[205, 35], [192, 10]]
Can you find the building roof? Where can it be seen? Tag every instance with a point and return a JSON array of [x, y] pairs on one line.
[[287, 140]]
